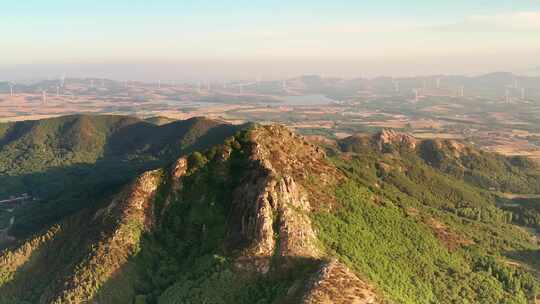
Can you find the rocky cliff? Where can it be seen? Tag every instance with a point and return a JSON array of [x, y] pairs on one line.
[[268, 229]]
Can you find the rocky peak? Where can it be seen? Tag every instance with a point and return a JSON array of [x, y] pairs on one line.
[[396, 139], [271, 206]]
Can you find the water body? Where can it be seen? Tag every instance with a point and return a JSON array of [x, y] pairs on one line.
[[306, 100]]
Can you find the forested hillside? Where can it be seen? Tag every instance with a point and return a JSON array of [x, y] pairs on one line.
[[268, 217], [69, 162]]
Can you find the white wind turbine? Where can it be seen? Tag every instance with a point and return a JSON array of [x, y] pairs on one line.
[[44, 96], [11, 87], [416, 95], [62, 79]]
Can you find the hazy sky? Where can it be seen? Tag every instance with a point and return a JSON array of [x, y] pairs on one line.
[[274, 38]]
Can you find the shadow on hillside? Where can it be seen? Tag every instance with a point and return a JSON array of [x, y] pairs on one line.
[[172, 139], [287, 282], [50, 260], [529, 258], [132, 150], [60, 192]]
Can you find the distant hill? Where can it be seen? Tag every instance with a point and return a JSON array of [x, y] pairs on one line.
[[483, 169], [264, 216], [65, 161], [159, 120]]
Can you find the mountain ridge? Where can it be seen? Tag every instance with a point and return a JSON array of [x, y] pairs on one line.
[[56, 160], [268, 217]]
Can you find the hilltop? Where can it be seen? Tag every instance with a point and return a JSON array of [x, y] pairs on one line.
[[69, 162], [267, 217], [486, 170]]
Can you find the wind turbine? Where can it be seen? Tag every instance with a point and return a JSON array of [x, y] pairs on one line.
[[44, 96], [11, 86], [62, 79], [416, 95]]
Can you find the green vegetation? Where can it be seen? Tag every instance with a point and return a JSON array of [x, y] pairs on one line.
[[184, 261], [404, 220], [483, 169], [408, 263], [438, 239], [73, 162], [526, 211]]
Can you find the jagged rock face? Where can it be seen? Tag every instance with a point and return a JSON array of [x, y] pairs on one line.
[[252, 215], [270, 209], [273, 221], [268, 230], [334, 283], [393, 138], [134, 202], [178, 170]]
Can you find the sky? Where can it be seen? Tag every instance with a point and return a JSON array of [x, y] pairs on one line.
[[219, 39]]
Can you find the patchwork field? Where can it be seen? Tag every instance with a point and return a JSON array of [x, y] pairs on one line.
[[482, 120]]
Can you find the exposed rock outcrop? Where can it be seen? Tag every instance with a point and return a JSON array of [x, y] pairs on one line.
[[178, 170], [281, 180], [334, 283], [392, 138], [270, 210]]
